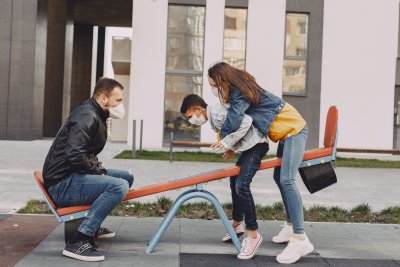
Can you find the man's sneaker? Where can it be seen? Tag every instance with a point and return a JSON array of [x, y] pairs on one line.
[[104, 233], [82, 250], [295, 250], [249, 247], [238, 230], [284, 235]]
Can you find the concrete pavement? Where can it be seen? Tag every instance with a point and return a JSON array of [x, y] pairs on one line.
[[18, 160], [197, 242], [336, 244]]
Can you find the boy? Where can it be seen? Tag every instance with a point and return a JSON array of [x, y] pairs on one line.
[[253, 147]]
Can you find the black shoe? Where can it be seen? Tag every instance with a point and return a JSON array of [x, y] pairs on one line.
[[104, 233], [82, 250]]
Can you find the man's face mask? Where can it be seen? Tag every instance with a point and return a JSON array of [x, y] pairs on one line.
[[117, 112]]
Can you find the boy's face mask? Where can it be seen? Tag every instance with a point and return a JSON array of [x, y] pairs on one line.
[[197, 120]]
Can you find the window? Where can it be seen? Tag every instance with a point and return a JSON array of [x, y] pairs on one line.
[[184, 70], [295, 62], [235, 37]]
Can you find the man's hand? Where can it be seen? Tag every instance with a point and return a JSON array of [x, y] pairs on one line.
[[218, 147], [228, 155]]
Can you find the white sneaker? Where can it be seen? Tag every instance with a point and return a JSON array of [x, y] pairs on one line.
[[295, 250], [238, 230], [284, 235]]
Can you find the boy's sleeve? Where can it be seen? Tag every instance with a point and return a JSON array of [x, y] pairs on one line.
[[239, 104], [231, 139]]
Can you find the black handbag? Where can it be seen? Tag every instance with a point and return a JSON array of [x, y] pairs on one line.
[[317, 177]]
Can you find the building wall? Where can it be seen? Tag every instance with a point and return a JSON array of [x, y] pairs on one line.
[[359, 49], [148, 59], [23, 36], [358, 70], [56, 38]]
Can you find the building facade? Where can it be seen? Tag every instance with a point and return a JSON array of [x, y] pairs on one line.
[[312, 53]]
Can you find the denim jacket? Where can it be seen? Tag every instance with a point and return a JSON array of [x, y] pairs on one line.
[[268, 108], [244, 138]]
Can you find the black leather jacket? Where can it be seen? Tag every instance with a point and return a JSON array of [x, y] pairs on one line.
[[77, 144]]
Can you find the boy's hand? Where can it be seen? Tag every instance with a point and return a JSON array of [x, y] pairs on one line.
[[218, 147], [228, 155]]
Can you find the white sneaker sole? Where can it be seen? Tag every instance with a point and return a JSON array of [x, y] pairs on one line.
[[279, 240], [296, 258], [247, 257], [82, 258], [229, 239], [110, 235]]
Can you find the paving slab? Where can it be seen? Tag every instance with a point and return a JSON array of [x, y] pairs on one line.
[[188, 242]]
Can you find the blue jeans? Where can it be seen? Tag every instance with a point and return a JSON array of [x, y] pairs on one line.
[[103, 192], [242, 199], [291, 151]]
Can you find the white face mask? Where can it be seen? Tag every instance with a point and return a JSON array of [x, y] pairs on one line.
[[117, 112], [215, 91], [197, 121]]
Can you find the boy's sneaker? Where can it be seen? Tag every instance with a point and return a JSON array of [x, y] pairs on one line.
[[295, 250], [238, 230], [82, 250], [249, 247], [104, 233], [284, 235]]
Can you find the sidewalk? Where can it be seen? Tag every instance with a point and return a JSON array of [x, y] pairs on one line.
[[195, 242], [189, 242], [18, 160]]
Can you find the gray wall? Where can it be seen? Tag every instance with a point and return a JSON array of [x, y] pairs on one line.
[[23, 25], [309, 105], [81, 64], [58, 13]]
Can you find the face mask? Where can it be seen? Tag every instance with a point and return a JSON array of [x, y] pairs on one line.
[[197, 121], [215, 91], [117, 112]]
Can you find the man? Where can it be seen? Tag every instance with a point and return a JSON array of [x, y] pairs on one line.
[[74, 176]]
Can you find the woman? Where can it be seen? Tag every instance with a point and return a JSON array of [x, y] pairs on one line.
[[281, 122]]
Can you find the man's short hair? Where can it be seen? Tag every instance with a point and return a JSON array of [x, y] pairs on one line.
[[191, 101], [105, 86]]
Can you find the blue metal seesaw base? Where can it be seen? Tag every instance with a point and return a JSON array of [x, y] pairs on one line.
[[185, 196]]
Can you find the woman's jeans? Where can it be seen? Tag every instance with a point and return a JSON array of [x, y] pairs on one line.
[[242, 199], [102, 192], [291, 151]]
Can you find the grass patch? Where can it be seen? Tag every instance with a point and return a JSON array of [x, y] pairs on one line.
[[35, 206], [214, 157], [367, 163], [204, 210]]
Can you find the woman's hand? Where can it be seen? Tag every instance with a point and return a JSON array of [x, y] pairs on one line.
[[228, 155], [218, 147]]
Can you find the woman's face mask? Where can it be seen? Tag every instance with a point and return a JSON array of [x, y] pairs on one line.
[[117, 112], [215, 91]]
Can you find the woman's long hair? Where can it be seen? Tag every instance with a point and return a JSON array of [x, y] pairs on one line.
[[226, 77]]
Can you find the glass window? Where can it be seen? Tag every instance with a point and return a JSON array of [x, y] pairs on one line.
[[295, 62], [184, 70], [185, 38], [235, 37]]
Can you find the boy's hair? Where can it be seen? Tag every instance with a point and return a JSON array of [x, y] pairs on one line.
[[105, 86], [191, 101]]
